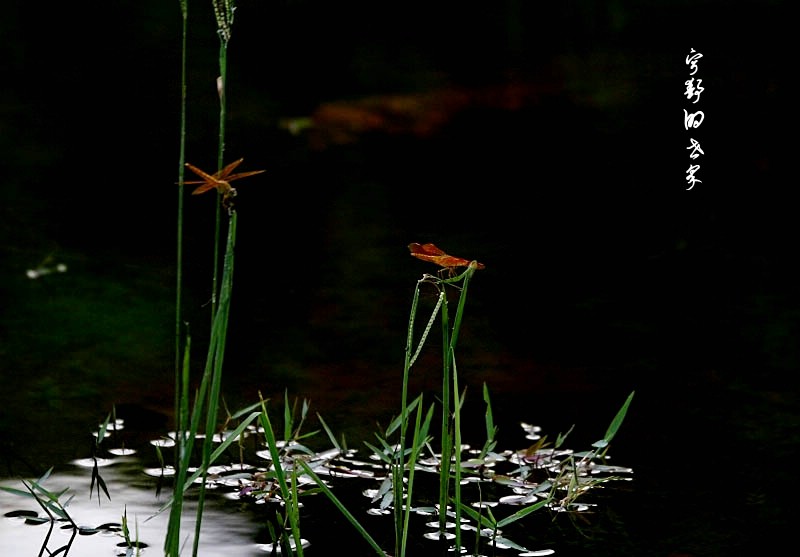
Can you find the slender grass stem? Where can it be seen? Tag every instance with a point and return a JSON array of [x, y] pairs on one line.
[[221, 89], [181, 371], [179, 232], [446, 443]]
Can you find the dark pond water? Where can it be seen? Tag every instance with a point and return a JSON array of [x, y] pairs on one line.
[[552, 151]]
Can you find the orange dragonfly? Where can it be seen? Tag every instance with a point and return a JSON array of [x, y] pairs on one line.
[[429, 252], [219, 181]]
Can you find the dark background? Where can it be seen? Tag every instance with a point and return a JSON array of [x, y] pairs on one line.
[[604, 275]]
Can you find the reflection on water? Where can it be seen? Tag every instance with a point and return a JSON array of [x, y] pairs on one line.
[[225, 529]]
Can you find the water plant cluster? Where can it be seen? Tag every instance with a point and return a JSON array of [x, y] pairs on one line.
[[477, 492], [498, 488]]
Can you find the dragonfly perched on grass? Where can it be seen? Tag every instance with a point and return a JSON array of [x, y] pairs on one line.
[[429, 252], [220, 181]]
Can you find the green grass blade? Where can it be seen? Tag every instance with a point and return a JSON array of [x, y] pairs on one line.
[[291, 504], [338, 504], [331, 436], [618, 419], [521, 513]]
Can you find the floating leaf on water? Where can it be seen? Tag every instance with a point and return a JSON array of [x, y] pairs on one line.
[[436, 524], [118, 425], [21, 514], [489, 532], [328, 455], [378, 512], [163, 442], [425, 511], [122, 451], [92, 462], [474, 463], [87, 530], [220, 437], [475, 480], [538, 553], [531, 431], [265, 454], [437, 536], [518, 499], [484, 504], [269, 548], [174, 435], [167, 471], [604, 468], [133, 544], [338, 472]]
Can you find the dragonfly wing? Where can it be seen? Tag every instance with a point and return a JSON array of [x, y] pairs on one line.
[[429, 252], [431, 249], [425, 253], [243, 175], [202, 174], [450, 261], [223, 174], [424, 249], [204, 188]]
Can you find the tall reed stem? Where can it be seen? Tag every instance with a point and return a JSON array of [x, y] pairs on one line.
[[179, 232], [171, 542], [221, 86]]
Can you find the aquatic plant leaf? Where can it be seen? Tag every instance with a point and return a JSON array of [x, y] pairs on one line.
[[560, 438], [21, 513], [347, 514], [56, 509], [521, 513], [501, 541], [103, 431], [481, 519], [537, 553], [101, 484], [45, 476], [287, 416], [246, 410], [392, 427], [617, 421], [51, 495], [306, 435], [15, 491], [379, 453], [331, 437]]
